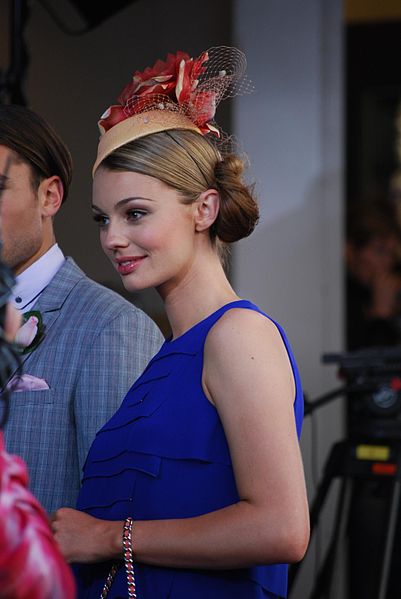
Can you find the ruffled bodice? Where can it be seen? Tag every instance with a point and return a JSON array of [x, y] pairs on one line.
[[164, 454]]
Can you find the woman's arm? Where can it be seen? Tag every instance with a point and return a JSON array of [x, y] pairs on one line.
[[247, 375]]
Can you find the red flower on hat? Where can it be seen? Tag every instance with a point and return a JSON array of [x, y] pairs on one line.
[[171, 84], [159, 79]]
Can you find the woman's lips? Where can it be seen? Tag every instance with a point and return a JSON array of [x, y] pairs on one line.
[[126, 266]]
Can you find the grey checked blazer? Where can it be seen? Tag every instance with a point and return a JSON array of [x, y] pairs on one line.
[[95, 345]]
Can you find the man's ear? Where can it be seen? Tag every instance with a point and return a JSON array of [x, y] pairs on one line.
[[207, 209], [51, 193]]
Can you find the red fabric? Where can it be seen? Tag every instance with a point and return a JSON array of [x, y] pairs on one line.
[[30, 562], [177, 79]]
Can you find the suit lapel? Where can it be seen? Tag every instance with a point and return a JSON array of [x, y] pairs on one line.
[[52, 298]]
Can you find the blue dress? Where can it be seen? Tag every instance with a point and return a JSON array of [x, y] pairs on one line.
[[164, 455]]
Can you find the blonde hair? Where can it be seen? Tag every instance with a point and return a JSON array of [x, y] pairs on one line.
[[187, 162]]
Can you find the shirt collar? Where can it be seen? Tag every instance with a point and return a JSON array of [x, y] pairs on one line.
[[32, 281]]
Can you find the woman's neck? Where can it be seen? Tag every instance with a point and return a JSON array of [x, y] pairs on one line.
[[204, 290]]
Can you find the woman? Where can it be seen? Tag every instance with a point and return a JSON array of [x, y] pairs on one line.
[[203, 453], [31, 564]]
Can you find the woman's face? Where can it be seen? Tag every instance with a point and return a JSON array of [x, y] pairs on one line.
[[145, 230]]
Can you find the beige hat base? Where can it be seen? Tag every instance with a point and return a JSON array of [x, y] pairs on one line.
[[140, 125]]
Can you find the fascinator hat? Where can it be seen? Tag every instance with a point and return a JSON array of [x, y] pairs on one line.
[[178, 93]]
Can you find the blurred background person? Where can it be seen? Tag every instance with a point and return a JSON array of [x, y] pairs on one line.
[[373, 271]]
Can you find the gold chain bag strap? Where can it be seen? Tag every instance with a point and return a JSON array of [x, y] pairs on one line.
[[128, 561]]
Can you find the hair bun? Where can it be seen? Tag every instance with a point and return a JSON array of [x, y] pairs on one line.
[[239, 211]]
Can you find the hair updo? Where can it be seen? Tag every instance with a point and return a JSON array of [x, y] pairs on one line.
[[187, 162]]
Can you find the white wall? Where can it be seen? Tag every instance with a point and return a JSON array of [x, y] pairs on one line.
[[291, 129]]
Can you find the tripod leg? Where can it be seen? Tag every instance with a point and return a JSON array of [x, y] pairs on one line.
[[333, 467], [325, 575], [388, 550], [334, 594]]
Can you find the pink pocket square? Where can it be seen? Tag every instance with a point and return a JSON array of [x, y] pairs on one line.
[[26, 382]]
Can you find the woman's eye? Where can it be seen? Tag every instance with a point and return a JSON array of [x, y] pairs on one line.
[[101, 220], [135, 214]]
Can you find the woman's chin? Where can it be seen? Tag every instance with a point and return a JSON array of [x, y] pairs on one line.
[[133, 287]]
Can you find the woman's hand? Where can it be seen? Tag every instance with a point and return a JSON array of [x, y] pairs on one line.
[[83, 538]]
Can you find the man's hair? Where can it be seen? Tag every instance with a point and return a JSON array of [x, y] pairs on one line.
[[36, 143]]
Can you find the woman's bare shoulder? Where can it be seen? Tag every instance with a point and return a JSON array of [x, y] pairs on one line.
[[238, 326]]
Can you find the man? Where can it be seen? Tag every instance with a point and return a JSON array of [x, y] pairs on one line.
[[93, 344]]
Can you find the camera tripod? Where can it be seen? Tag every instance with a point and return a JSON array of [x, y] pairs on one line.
[[351, 461], [344, 463]]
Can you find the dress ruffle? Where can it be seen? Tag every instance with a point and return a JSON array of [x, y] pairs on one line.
[[164, 455]]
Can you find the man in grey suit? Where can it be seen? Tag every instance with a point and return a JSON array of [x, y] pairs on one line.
[[89, 344]]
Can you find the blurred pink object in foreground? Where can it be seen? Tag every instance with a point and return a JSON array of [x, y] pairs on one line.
[[31, 565]]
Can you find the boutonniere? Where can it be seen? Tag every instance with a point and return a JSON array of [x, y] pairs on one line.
[[31, 332]]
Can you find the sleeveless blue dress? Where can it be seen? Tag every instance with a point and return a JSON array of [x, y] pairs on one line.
[[164, 455]]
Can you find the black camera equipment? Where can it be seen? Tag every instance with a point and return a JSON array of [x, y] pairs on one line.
[[371, 455], [373, 378], [86, 13], [12, 80]]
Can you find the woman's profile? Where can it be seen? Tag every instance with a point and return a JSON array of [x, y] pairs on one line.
[[196, 483]]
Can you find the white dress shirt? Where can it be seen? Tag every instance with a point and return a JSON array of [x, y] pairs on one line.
[[32, 281]]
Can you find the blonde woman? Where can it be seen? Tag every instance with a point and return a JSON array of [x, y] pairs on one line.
[[197, 481]]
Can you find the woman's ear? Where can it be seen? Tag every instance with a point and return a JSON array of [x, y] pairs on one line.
[[207, 209], [51, 194]]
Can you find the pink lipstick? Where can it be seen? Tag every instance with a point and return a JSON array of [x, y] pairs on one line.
[[128, 264]]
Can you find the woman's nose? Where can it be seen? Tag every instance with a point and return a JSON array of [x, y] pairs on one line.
[[114, 238]]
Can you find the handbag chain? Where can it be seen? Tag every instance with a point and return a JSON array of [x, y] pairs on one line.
[[128, 561]]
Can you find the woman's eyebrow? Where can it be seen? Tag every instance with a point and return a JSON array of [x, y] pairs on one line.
[[124, 201]]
